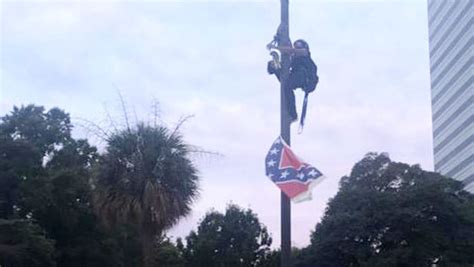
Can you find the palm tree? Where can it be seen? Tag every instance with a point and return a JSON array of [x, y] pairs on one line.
[[146, 178]]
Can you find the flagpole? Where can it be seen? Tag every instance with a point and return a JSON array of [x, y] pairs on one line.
[[284, 40]]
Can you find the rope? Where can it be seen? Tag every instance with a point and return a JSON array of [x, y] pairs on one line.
[[303, 113]]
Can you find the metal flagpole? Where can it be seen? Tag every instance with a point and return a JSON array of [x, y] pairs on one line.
[[284, 40]]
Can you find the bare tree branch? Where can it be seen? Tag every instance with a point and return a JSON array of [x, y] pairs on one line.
[[181, 121], [124, 108], [111, 121], [93, 128]]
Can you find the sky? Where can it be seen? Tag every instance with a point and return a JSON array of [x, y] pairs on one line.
[[208, 59]]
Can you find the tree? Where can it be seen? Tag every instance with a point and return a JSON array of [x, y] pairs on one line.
[[24, 244], [392, 214], [45, 188], [235, 238], [146, 178], [28, 135], [273, 258], [169, 254]]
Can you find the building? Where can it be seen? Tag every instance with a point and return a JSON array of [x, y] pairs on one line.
[[452, 93]]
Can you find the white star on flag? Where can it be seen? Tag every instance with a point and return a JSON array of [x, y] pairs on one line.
[[274, 151], [284, 174], [300, 176], [271, 163], [312, 173]]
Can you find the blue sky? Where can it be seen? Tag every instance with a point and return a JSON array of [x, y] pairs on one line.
[[208, 59]]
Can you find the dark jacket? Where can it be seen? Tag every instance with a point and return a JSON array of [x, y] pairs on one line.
[[303, 73]]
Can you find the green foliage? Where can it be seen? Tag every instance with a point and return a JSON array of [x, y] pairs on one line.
[[34, 125], [235, 238], [393, 214], [45, 179], [24, 244], [18, 160], [145, 178], [273, 258], [168, 254], [145, 183]]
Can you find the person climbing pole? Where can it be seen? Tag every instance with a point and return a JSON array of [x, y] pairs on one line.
[[303, 73]]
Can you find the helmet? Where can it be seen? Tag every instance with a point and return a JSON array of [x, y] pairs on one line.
[[300, 43]]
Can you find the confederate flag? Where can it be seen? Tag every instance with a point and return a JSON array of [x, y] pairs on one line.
[[293, 176]]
